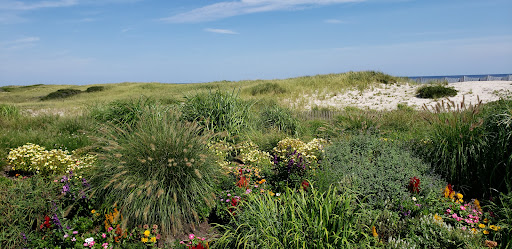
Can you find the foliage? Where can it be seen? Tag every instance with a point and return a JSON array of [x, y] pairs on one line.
[[302, 219], [157, 171], [472, 145], [9, 111], [502, 208], [95, 89], [267, 88], [122, 112], [435, 91], [217, 111], [378, 168], [61, 93], [23, 205], [279, 118], [312, 151], [32, 158]]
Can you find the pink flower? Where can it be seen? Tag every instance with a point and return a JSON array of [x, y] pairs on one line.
[[105, 245], [66, 235], [459, 218], [103, 235], [110, 229], [202, 239], [191, 236], [86, 244], [75, 232], [182, 242], [448, 210], [454, 215], [462, 208], [463, 228], [73, 239]]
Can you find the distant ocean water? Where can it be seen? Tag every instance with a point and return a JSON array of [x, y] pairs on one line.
[[462, 78]]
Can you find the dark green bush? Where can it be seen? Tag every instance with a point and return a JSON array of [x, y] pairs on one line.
[[217, 111], [157, 171], [435, 91], [61, 93], [377, 168], [267, 88], [95, 89]]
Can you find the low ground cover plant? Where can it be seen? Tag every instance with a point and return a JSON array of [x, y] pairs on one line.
[[61, 93], [435, 91]]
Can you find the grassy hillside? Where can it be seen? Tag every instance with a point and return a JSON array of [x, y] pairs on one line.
[[29, 97]]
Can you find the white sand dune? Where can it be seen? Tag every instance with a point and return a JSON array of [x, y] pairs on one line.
[[387, 97]]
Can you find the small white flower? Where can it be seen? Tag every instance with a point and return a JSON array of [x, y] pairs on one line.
[[414, 198], [89, 240], [278, 194]]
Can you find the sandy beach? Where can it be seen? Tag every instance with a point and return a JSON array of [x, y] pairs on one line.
[[387, 97]]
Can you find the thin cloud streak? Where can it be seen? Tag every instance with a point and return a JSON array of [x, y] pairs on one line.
[[222, 31], [334, 21], [235, 8]]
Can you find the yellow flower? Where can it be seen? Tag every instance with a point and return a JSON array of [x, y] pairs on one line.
[[481, 225], [486, 220], [473, 230], [459, 196], [146, 233], [152, 240], [493, 227], [438, 218], [93, 211], [262, 181], [374, 232], [144, 240], [271, 193], [485, 232]]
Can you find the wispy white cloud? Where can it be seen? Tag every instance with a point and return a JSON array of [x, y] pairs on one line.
[[24, 5], [334, 21], [222, 31], [11, 18], [235, 8], [19, 43]]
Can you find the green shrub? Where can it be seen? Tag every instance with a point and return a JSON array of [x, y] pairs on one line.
[[217, 111], [158, 172], [122, 112], [61, 93], [279, 118], [95, 89], [502, 208], [435, 91], [301, 219], [267, 88], [378, 168], [23, 205]]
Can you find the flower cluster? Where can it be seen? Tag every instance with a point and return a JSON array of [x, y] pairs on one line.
[[150, 237], [414, 185], [36, 159], [311, 151], [195, 242]]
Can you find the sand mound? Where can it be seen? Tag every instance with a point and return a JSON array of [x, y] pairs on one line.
[[387, 97]]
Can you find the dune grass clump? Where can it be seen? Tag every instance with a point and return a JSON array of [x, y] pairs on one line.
[[279, 118], [217, 111], [267, 88], [122, 112], [435, 91], [61, 93], [157, 172]]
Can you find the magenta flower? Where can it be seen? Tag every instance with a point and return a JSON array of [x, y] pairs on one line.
[[103, 235], [191, 236], [462, 208], [448, 210]]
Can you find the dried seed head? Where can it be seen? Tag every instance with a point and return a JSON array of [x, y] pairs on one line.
[[153, 147], [198, 174]]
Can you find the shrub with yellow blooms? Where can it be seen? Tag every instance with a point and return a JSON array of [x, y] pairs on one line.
[[36, 159]]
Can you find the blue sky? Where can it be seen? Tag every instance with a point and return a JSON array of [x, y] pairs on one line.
[[183, 41]]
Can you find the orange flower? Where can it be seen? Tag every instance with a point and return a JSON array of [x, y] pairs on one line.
[[374, 232]]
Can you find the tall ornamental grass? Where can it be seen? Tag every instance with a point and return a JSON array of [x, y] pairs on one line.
[[472, 145], [217, 111], [157, 172], [301, 219]]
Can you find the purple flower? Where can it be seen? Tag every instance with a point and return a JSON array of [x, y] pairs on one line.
[[65, 188], [85, 183], [56, 221]]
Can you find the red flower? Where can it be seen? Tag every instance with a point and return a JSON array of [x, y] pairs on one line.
[[414, 185], [305, 184], [198, 246], [234, 201], [46, 223], [243, 182]]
